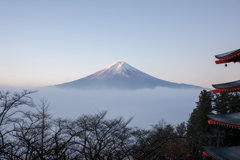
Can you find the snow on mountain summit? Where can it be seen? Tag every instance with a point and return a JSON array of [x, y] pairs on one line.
[[119, 69]]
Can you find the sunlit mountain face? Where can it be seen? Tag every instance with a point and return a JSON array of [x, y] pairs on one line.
[[120, 75]]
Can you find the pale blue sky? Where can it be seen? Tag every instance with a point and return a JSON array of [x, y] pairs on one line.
[[46, 42]]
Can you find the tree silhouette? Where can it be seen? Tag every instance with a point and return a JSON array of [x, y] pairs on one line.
[[9, 107]]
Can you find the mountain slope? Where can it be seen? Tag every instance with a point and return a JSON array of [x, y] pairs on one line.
[[120, 75]]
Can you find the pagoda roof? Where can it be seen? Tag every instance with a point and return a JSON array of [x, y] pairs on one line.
[[232, 120], [232, 56], [223, 153], [227, 87]]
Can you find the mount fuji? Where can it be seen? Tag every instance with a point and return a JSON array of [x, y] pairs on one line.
[[120, 75]]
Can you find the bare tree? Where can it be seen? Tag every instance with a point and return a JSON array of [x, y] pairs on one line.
[[161, 142], [62, 135], [32, 133], [9, 107], [142, 142], [98, 138], [39, 136]]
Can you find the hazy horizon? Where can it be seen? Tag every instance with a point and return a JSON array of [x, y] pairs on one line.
[[147, 106]]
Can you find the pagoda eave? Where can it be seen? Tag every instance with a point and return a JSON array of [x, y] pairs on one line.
[[226, 61], [228, 119], [222, 124], [223, 153], [232, 56], [226, 90], [206, 154]]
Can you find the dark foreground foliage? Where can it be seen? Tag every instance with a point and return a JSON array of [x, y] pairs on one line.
[[35, 135], [200, 133]]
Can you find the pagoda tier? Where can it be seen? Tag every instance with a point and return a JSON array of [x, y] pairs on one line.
[[223, 153], [227, 87], [232, 56], [230, 120]]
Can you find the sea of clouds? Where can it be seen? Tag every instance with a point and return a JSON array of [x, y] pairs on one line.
[[146, 106]]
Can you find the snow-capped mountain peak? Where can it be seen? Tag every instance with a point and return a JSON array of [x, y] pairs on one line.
[[119, 69], [120, 75]]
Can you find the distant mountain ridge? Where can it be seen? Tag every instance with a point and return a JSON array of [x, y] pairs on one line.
[[120, 75]]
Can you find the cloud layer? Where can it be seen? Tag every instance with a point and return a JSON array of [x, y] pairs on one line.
[[146, 106]]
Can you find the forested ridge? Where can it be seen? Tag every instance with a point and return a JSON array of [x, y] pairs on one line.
[[36, 135]]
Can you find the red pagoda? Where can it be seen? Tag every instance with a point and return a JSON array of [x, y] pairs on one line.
[[232, 56], [228, 120]]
